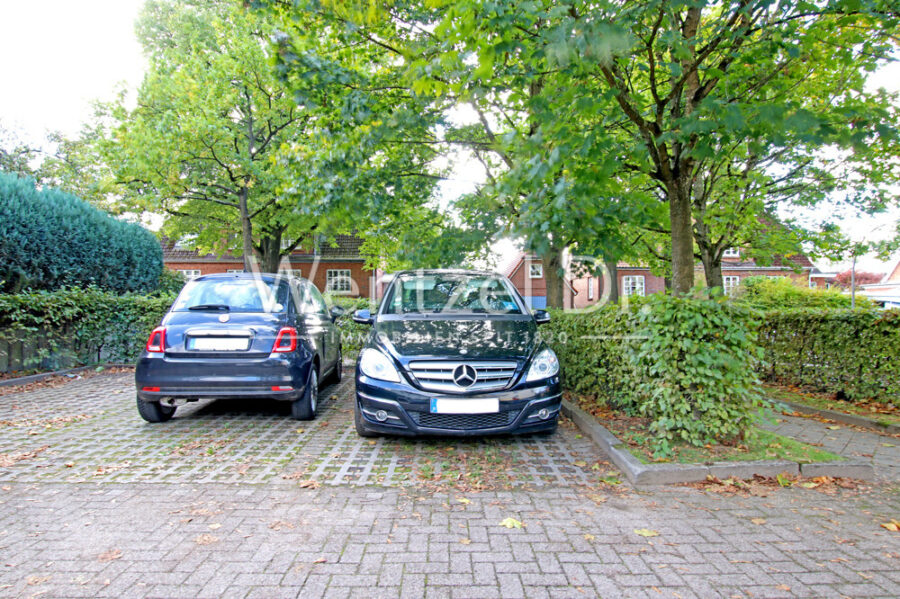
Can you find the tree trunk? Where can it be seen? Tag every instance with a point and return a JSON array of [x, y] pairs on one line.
[[612, 267], [247, 233], [553, 264], [682, 238], [270, 252], [712, 268]]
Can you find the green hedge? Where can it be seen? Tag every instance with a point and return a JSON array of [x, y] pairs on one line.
[[51, 239], [781, 293], [854, 354], [688, 364], [353, 335], [80, 326]]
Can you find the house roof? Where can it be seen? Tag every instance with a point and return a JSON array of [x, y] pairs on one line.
[[346, 247]]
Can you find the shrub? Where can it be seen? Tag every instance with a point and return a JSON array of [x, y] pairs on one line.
[[170, 282], [51, 239], [687, 363], [80, 326], [854, 354], [353, 335], [781, 293]]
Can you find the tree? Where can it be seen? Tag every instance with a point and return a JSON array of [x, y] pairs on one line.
[[16, 155], [240, 157], [842, 280]]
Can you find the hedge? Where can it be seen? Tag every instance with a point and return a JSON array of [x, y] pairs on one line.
[[688, 364], [71, 327], [50, 239], [854, 354]]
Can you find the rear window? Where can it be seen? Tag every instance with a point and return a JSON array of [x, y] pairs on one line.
[[452, 294], [237, 295]]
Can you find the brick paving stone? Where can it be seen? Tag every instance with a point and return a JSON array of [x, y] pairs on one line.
[[211, 505]]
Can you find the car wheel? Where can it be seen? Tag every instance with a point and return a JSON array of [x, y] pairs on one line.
[[305, 407], [153, 411], [338, 373], [360, 425]]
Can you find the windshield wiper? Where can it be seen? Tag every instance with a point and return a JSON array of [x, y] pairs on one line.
[[221, 307]]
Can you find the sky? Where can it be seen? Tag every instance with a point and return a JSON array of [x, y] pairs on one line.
[[62, 55]]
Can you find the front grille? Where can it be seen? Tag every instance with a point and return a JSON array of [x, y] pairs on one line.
[[438, 375], [463, 421]]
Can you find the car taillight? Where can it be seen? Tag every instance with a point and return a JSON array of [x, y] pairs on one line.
[[286, 340], [157, 341]]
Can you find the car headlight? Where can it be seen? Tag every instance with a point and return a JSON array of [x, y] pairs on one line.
[[376, 365], [544, 365]]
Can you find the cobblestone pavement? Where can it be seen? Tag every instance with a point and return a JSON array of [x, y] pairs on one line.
[[234, 500], [882, 449]]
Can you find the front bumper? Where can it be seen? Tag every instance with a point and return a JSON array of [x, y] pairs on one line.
[[221, 378], [409, 409]]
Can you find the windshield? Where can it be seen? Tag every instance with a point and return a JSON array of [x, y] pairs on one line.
[[233, 295], [452, 294]]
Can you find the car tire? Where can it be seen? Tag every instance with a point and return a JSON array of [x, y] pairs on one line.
[[360, 425], [153, 411], [338, 373], [305, 407]]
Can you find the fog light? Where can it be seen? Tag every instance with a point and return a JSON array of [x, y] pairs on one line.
[[543, 414], [381, 415]]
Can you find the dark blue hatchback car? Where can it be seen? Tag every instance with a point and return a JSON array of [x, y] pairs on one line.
[[237, 336], [455, 353]]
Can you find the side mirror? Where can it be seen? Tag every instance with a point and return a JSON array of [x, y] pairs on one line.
[[541, 316], [363, 317], [336, 312]]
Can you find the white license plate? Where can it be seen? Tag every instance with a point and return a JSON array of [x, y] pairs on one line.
[[465, 406], [220, 343]]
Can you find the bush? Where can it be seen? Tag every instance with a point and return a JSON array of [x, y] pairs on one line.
[[51, 239], [80, 326], [353, 335], [782, 293], [170, 282], [688, 364], [854, 354]]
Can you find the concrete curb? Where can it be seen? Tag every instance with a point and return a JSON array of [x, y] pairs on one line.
[[841, 417], [649, 475], [36, 378]]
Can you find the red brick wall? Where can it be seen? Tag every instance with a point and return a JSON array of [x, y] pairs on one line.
[[360, 276]]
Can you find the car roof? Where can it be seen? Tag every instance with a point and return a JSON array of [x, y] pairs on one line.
[[448, 271], [268, 276]]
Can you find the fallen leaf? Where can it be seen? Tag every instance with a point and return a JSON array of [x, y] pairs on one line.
[[32, 580], [808, 484], [299, 431], [108, 556], [589, 537], [321, 560], [758, 520], [464, 500], [465, 541], [782, 587], [511, 523], [833, 428], [893, 525], [580, 463], [646, 532], [783, 480], [206, 539], [215, 526], [309, 484], [69, 464], [888, 445]]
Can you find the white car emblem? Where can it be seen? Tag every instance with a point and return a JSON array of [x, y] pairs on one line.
[[464, 375], [224, 318]]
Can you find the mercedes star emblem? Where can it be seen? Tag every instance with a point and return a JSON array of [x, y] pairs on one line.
[[464, 375]]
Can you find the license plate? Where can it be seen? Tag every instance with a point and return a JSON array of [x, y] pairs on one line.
[[465, 406], [219, 343]]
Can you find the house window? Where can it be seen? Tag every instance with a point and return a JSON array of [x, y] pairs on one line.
[[730, 283], [590, 285], [190, 274], [731, 253], [535, 270], [286, 243], [633, 285], [812, 284], [338, 280]]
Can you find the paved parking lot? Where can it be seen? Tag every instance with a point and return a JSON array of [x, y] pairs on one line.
[[237, 500]]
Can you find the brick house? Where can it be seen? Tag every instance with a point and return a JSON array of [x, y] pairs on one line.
[[885, 293], [527, 274], [339, 270]]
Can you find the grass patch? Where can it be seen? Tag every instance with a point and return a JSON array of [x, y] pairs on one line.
[[882, 412], [635, 435]]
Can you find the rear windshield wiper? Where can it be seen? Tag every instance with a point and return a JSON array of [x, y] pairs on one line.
[[221, 307]]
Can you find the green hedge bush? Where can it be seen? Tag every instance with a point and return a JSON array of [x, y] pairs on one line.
[[781, 293], [51, 239], [80, 326], [854, 354], [353, 335], [688, 364]]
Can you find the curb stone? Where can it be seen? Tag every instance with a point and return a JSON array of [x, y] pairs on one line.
[[841, 417], [36, 378], [648, 475]]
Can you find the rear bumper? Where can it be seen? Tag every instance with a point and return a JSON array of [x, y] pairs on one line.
[[159, 377], [409, 410]]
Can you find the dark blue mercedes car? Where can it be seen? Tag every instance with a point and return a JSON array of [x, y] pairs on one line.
[[455, 352], [238, 336]]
